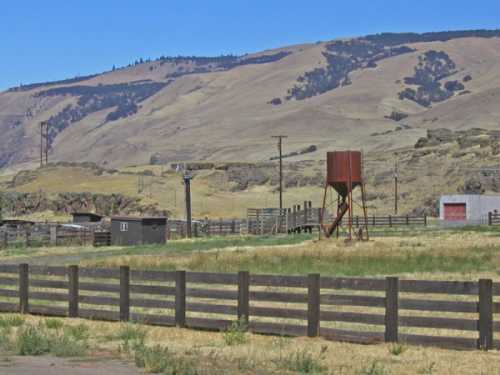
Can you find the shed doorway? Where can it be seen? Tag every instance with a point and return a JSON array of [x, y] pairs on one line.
[[455, 211]]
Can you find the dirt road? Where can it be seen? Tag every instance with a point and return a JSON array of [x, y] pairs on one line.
[[46, 365]]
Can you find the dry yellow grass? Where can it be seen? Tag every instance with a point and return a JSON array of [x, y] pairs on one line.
[[261, 353]]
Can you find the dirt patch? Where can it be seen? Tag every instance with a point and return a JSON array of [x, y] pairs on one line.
[[47, 365]]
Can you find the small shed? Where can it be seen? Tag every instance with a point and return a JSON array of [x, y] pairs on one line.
[[129, 231], [86, 217], [468, 208]]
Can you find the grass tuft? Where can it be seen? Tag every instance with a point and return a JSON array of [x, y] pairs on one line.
[[236, 333]]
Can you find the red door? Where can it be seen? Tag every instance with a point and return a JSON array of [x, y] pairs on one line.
[[455, 211]]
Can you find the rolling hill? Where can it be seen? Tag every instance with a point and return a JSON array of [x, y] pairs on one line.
[[332, 95]]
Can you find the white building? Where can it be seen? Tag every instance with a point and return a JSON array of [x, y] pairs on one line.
[[471, 208]]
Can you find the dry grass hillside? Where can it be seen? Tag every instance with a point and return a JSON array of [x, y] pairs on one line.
[[198, 110]]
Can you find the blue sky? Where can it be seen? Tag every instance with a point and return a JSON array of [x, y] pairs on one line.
[[54, 39]]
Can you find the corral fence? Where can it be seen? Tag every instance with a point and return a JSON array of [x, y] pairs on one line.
[[305, 218], [53, 234], [449, 314], [493, 218], [205, 228]]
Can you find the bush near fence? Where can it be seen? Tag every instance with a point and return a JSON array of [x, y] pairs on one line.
[[449, 314]]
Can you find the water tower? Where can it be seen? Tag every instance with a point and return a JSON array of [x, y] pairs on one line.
[[344, 173]]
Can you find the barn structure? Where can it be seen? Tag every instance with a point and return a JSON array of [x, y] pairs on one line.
[[129, 231], [468, 208]]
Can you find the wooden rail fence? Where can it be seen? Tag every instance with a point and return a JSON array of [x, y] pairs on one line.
[[450, 314], [493, 218]]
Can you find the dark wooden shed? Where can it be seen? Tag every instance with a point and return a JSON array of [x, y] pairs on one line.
[[86, 217], [129, 231]]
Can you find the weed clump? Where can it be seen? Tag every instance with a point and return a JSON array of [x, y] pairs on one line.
[[304, 362], [236, 333]]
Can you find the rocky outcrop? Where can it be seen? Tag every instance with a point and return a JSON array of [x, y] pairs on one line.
[[18, 204]]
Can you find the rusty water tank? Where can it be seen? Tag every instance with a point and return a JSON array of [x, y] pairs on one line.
[[343, 166]]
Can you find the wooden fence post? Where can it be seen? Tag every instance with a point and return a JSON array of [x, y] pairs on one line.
[[244, 296], [233, 227], [53, 235], [390, 220], [195, 229], [425, 220], [490, 218], [485, 314], [124, 293], [407, 220], [180, 299], [24, 288], [5, 239], [73, 294], [28, 235], [391, 309], [313, 305]]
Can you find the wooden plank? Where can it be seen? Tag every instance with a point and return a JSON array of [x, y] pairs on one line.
[[48, 310], [435, 322], [485, 314], [150, 319], [211, 324], [350, 317], [211, 278], [153, 289], [350, 300], [438, 305], [100, 273], [48, 270], [9, 268], [53, 284], [49, 296], [357, 337], [9, 293], [152, 275], [8, 281], [100, 315], [279, 281], [439, 287], [212, 294], [243, 296], [23, 288], [277, 329], [180, 299], [276, 312], [152, 303], [278, 297], [9, 307], [391, 309], [99, 287], [353, 283], [99, 300], [313, 304], [212, 308], [73, 291], [439, 341]]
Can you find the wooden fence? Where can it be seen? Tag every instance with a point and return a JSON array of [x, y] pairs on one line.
[[450, 314], [49, 234], [204, 228], [493, 218], [305, 218]]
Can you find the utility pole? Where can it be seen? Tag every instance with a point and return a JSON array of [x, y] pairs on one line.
[[396, 186], [187, 189], [280, 149], [44, 148]]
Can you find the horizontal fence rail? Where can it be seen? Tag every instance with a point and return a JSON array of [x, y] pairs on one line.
[[449, 314]]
